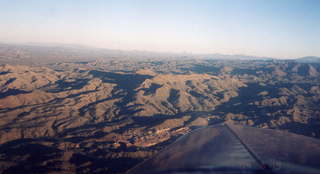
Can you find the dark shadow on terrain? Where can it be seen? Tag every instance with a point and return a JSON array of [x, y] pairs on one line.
[[152, 89], [29, 157], [198, 95], [241, 104], [54, 101], [249, 94], [103, 165], [251, 71], [157, 63], [126, 83], [88, 126], [11, 92], [82, 62], [126, 124], [203, 69], [4, 72], [10, 81], [303, 70], [173, 96], [89, 108], [81, 93], [62, 85], [311, 129]]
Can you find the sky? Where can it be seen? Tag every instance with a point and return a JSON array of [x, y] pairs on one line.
[[272, 28]]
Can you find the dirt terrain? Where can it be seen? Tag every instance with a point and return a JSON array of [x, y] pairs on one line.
[[106, 115]]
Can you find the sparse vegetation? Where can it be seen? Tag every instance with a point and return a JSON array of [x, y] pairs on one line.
[[107, 115]]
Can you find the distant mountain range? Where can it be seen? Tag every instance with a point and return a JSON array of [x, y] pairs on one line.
[[308, 59], [37, 53]]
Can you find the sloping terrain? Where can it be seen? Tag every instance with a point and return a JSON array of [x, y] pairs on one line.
[[98, 117], [172, 94]]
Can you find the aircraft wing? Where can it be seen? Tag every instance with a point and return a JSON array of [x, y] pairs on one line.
[[228, 148]]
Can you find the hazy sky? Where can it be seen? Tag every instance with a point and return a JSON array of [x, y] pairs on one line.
[[278, 28]]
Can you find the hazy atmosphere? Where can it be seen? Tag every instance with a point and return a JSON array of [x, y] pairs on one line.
[[160, 86], [281, 29]]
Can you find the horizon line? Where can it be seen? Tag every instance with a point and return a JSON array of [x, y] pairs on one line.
[[75, 45]]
